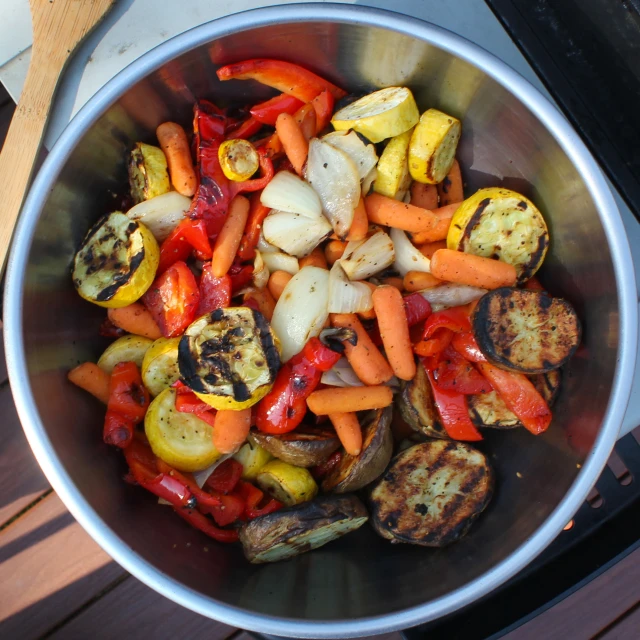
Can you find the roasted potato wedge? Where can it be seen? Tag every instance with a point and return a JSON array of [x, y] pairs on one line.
[[304, 448], [417, 407], [356, 472], [290, 532], [525, 331], [431, 493], [148, 173]]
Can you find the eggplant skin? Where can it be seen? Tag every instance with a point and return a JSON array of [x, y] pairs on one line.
[[304, 527], [417, 406], [525, 331], [302, 448], [355, 472], [431, 493]]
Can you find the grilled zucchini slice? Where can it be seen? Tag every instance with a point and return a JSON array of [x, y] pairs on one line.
[[117, 262], [525, 331], [382, 114], [290, 532], [500, 223], [253, 458], [393, 178], [148, 173], [125, 349], [160, 365], [431, 493], [229, 358], [182, 440], [433, 145], [355, 472], [302, 448], [286, 483]]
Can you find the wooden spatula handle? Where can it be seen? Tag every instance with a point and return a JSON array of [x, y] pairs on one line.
[[22, 144]]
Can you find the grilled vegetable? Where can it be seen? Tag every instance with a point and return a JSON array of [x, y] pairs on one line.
[[116, 263], [229, 358], [431, 493], [417, 406], [125, 349], [160, 365], [253, 458], [489, 409], [382, 114], [363, 155], [302, 448], [238, 159], [182, 440], [162, 214], [287, 483], [525, 331], [499, 223], [355, 472], [433, 146], [148, 174], [290, 532], [393, 178]]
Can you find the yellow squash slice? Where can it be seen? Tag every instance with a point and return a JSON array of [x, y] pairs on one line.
[[393, 179], [286, 483], [125, 349], [148, 173], [253, 458], [238, 159], [160, 365]]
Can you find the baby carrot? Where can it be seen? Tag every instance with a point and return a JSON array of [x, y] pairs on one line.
[[365, 358], [228, 240], [429, 248], [296, 146], [394, 331], [360, 224], [396, 214], [394, 281], [305, 118], [91, 378], [173, 141], [277, 282], [315, 259], [231, 429], [135, 319], [441, 229], [419, 281], [349, 399], [424, 196], [334, 250], [465, 268], [450, 189], [348, 429]]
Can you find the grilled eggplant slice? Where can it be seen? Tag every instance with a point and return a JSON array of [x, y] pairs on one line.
[[116, 263], [489, 409], [417, 406], [295, 530], [355, 472], [287, 483], [229, 358], [525, 331], [148, 174], [431, 493], [303, 448]]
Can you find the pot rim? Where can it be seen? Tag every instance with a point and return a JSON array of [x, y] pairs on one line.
[[559, 128]]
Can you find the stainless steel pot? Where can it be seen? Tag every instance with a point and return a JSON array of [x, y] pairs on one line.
[[361, 584]]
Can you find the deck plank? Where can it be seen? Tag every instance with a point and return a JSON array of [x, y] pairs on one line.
[[625, 628], [49, 567]]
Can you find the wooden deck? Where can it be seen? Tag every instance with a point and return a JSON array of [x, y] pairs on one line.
[[55, 582]]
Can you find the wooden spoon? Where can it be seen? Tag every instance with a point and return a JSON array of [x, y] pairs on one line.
[[58, 28]]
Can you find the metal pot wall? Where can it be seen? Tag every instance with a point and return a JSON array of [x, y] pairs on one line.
[[361, 584]]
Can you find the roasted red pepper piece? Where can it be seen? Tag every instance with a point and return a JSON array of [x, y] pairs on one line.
[[253, 497], [436, 344], [215, 293], [187, 236], [323, 106], [173, 299], [455, 373], [230, 509], [240, 276], [202, 523], [267, 112], [109, 330], [465, 344], [306, 119], [456, 319], [454, 413], [283, 76], [326, 467], [416, 308], [257, 213], [225, 476], [118, 429], [533, 284], [284, 407], [244, 129], [187, 480], [188, 402], [127, 394], [266, 174]]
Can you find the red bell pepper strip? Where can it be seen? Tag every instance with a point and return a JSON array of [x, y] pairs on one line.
[[455, 319], [266, 174], [127, 394], [465, 344], [230, 509], [245, 129], [267, 112], [533, 284], [323, 106], [271, 146], [188, 402], [118, 429], [454, 413], [416, 308], [202, 497], [257, 213], [435, 345], [215, 293], [240, 276], [455, 373], [225, 476], [253, 497], [284, 407], [325, 468], [306, 119], [202, 523], [283, 76], [187, 236], [173, 299], [520, 396]]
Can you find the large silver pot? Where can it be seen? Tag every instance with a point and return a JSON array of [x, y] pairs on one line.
[[361, 584]]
